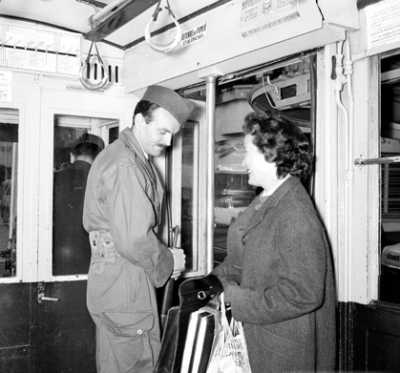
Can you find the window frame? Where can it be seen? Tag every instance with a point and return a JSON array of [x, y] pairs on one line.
[[199, 244], [19, 201], [51, 106]]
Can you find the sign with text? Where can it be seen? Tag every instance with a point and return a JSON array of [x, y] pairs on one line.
[[382, 23], [259, 15]]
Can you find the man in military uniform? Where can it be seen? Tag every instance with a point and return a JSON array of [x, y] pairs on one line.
[[122, 213], [71, 248]]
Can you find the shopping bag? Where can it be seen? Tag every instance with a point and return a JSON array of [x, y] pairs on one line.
[[229, 352]]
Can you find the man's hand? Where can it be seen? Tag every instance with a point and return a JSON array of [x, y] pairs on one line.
[[179, 262]]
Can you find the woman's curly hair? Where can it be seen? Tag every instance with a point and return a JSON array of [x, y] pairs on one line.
[[281, 142]]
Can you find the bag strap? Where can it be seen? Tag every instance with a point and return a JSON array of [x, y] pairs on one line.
[[224, 319]]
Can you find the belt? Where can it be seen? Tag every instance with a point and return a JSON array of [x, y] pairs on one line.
[[103, 250]]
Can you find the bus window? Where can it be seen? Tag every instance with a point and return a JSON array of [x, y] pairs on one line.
[[8, 191], [283, 90], [71, 249], [390, 180], [67, 215]]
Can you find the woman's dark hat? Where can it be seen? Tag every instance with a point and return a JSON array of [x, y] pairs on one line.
[[181, 108]]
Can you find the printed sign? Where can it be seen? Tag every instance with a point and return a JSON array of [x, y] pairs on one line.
[[259, 15], [382, 21], [194, 35], [5, 86], [35, 48]]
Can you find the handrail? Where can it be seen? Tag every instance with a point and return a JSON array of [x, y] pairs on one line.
[[380, 160]]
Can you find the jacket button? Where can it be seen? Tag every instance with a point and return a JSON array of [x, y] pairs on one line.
[[139, 331]]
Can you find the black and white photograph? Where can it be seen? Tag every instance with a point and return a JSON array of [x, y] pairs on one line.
[[199, 186]]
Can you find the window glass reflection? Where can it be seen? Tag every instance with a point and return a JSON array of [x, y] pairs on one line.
[[390, 182], [113, 134], [75, 148], [187, 134], [232, 191], [71, 250], [8, 191]]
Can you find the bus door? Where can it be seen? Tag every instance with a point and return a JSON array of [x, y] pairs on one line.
[[64, 325], [286, 89], [44, 321]]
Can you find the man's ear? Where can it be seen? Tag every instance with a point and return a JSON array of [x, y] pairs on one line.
[[139, 119]]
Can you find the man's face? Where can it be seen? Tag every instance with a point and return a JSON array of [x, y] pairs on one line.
[[156, 135]]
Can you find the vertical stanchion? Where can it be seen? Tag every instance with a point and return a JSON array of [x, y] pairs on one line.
[[210, 114]]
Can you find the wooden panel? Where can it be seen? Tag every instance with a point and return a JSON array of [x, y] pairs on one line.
[[376, 338], [15, 321], [66, 333], [16, 360]]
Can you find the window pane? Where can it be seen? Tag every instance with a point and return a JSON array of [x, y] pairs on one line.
[[8, 191], [187, 195], [72, 161], [232, 191], [283, 91], [113, 134], [71, 250], [390, 181]]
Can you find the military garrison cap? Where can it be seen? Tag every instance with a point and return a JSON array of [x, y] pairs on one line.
[[179, 107], [88, 138]]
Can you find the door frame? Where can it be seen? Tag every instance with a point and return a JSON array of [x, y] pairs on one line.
[[55, 102]]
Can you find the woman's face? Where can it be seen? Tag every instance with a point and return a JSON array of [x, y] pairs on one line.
[[261, 173]]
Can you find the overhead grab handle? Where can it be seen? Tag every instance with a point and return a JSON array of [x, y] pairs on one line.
[[94, 72], [174, 43]]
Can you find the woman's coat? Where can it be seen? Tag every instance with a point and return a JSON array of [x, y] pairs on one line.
[[279, 279]]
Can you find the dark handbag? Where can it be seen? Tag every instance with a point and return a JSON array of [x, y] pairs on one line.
[[193, 294]]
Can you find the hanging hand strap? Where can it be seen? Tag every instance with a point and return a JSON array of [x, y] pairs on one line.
[[91, 60], [174, 43]]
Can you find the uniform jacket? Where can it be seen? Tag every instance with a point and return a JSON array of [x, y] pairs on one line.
[[279, 279], [71, 249], [124, 199]]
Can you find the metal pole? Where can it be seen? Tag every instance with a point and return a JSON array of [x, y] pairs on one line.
[[102, 14], [381, 160], [13, 191], [210, 114]]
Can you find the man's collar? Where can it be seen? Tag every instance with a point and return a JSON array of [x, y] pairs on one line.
[[131, 141], [138, 141], [141, 147]]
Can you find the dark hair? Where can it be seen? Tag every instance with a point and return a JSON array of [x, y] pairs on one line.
[[145, 108], [281, 142], [86, 148]]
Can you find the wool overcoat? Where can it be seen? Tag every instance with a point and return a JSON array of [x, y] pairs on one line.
[[279, 279], [122, 213]]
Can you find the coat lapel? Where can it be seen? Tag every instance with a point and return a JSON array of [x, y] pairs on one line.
[[152, 177], [261, 208]]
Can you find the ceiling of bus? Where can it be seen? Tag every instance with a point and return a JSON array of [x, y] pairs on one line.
[[74, 15]]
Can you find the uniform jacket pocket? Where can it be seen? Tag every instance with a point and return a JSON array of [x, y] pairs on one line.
[[128, 324]]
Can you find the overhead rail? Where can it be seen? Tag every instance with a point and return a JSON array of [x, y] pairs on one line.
[[115, 15]]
